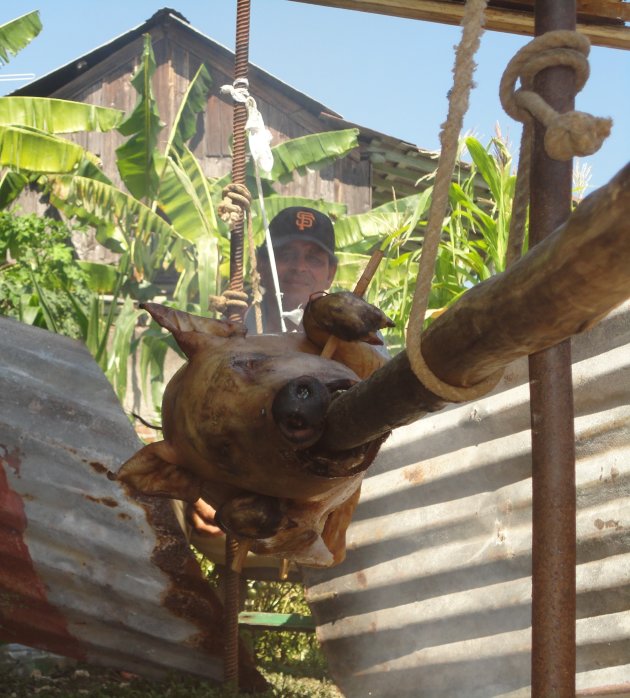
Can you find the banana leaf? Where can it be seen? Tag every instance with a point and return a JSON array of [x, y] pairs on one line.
[[193, 103], [99, 203], [376, 226], [17, 34], [100, 278], [186, 199], [11, 184], [310, 152], [136, 157], [57, 115], [27, 150], [302, 154]]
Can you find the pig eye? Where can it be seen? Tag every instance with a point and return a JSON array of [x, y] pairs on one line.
[[248, 363]]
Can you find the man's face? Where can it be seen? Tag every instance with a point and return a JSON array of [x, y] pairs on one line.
[[303, 268]]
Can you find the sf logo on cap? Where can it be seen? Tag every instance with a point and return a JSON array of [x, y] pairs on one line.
[[304, 219]]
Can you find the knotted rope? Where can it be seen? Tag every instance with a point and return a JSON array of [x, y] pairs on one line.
[[234, 206], [449, 137], [573, 133]]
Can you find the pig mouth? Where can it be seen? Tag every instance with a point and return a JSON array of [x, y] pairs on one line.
[[300, 406]]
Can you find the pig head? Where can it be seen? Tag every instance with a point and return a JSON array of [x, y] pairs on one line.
[[241, 423]]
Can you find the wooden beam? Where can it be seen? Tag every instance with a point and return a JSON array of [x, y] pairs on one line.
[[510, 21], [563, 286]]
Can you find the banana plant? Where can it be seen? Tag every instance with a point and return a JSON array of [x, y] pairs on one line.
[[30, 127], [17, 34]]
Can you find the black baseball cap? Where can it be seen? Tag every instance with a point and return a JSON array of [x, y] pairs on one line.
[[303, 223]]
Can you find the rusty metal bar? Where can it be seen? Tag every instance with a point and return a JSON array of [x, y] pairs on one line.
[[239, 120], [235, 314], [551, 392]]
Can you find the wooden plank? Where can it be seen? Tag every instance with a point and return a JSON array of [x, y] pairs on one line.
[[277, 621], [508, 21]]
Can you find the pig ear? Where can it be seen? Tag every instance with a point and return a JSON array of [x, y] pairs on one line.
[[192, 332], [152, 471]]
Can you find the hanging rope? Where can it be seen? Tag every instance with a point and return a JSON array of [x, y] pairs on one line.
[[449, 138], [570, 134]]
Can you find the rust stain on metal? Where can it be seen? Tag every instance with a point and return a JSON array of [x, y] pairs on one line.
[[362, 579], [189, 595], [414, 474], [31, 621], [11, 458], [99, 467], [611, 523], [107, 501]]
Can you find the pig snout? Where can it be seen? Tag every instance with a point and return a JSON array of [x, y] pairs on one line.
[[299, 409]]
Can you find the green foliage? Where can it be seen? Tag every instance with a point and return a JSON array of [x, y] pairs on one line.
[[472, 248], [17, 34], [39, 274], [293, 653]]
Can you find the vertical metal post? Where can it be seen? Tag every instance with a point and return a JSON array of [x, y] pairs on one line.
[[239, 120], [235, 314], [551, 391]]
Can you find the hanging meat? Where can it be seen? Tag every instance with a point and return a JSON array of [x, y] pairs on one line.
[[241, 424]]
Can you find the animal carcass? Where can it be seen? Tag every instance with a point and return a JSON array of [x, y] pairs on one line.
[[241, 422]]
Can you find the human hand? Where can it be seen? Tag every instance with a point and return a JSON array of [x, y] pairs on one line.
[[200, 516]]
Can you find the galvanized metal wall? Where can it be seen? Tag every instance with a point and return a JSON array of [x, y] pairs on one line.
[[434, 598], [87, 571]]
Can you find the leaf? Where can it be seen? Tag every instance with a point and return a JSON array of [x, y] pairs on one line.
[[193, 103], [11, 184], [25, 150], [186, 199], [99, 203], [310, 152], [117, 365], [486, 165], [17, 34], [100, 278], [136, 157], [57, 115]]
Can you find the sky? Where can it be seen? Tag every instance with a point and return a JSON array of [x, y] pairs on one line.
[[385, 73]]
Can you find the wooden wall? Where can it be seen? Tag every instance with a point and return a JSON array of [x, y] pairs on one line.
[[178, 53]]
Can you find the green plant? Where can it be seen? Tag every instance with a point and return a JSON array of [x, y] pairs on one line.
[[39, 275]]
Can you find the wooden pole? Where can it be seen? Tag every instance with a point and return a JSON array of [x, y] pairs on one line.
[[565, 284]]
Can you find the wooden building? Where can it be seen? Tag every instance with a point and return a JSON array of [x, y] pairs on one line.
[[366, 178]]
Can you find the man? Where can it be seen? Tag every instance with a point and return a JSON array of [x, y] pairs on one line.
[[303, 242]]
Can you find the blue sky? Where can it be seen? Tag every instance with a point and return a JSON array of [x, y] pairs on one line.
[[388, 74]]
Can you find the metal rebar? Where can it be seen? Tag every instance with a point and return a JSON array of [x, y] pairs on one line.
[[230, 614], [241, 60], [551, 405], [235, 314]]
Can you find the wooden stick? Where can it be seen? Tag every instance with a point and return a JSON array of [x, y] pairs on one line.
[[241, 555], [563, 286], [359, 290]]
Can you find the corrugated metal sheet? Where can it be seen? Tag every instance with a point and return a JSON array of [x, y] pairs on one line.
[[434, 598], [85, 570]]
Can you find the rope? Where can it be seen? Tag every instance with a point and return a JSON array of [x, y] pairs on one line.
[[449, 138], [570, 134]]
